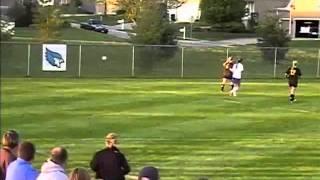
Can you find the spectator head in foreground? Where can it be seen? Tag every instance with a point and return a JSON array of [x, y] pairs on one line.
[[79, 174], [54, 167], [22, 168], [8, 152], [26, 151], [10, 139], [59, 155], [149, 173]]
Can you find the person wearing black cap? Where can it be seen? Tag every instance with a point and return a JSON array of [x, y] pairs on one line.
[[293, 74], [149, 173]]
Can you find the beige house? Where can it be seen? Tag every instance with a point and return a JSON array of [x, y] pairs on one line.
[[302, 15], [301, 18], [187, 11], [100, 6]]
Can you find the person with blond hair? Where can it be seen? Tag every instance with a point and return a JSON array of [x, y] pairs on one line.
[[293, 74], [8, 152], [109, 163], [79, 174]]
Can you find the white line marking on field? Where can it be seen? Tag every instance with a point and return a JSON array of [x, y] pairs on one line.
[[232, 101], [301, 110]]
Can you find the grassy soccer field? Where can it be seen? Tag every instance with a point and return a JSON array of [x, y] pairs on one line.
[[187, 128]]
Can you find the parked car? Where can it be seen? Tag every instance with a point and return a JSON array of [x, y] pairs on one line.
[[7, 26], [94, 25]]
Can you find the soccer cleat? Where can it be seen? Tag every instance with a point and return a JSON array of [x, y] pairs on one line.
[[293, 100]]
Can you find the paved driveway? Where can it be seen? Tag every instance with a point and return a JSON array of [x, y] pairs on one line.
[[221, 43]]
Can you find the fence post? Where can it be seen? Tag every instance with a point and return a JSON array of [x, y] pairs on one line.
[[182, 62], [275, 63], [227, 53], [132, 62], [28, 60], [80, 59], [318, 68]]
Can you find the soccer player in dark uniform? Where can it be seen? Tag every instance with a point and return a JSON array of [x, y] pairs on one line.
[[293, 74], [227, 74]]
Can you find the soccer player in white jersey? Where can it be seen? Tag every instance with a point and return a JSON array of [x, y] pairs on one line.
[[236, 70]]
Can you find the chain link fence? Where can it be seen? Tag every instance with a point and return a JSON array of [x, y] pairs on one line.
[[101, 60]]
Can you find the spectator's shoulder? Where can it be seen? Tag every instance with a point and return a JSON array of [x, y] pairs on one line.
[[102, 151]]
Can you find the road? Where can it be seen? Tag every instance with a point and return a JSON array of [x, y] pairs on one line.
[[221, 43], [117, 32]]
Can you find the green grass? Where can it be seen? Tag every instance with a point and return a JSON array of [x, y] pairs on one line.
[[216, 36], [69, 34], [305, 43], [210, 35], [187, 128]]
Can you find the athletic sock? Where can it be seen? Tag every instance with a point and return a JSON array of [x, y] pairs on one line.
[[222, 87], [291, 97]]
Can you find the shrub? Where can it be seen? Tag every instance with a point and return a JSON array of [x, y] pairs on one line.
[[232, 27], [5, 36], [66, 24], [120, 12], [273, 35], [153, 28]]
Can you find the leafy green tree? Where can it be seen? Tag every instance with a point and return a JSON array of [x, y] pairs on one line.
[[273, 35], [153, 28], [17, 12], [221, 11], [22, 14], [130, 7], [49, 23]]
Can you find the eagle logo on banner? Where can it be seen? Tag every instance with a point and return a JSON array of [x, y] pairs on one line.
[[54, 58], [46, 2]]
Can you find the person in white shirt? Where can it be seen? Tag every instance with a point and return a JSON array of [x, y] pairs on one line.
[[54, 168], [236, 70]]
